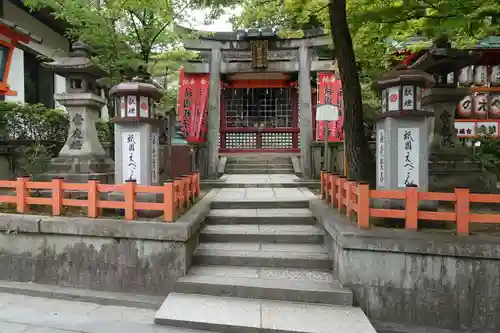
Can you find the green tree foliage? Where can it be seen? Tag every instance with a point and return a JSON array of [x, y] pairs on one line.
[[366, 34], [125, 34]]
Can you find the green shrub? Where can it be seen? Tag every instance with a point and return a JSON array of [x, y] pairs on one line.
[[488, 153]]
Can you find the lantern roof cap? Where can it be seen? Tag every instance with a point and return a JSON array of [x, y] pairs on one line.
[[406, 76], [18, 30], [78, 61], [136, 87]]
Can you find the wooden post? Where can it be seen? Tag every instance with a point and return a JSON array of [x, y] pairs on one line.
[[363, 206], [340, 199], [130, 199], [327, 186], [197, 184], [93, 198], [349, 184], [186, 182], [333, 189], [411, 207], [462, 210], [22, 194], [168, 201], [322, 180], [57, 195], [179, 193]]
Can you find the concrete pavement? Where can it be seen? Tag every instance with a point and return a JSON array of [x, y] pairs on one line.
[[25, 314]]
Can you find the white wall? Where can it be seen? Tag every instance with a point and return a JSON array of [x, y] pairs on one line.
[[52, 44], [16, 76]]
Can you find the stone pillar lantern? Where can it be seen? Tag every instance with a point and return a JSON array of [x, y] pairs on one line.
[[403, 131], [137, 132], [82, 156]]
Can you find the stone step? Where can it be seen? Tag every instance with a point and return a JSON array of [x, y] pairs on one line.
[[262, 233], [291, 216], [250, 165], [243, 315], [255, 204], [304, 256], [260, 171], [278, 284]]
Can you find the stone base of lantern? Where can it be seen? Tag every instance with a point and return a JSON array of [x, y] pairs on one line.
[[446, 175], [79, 169]]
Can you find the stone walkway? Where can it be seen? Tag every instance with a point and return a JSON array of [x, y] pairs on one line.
[[276, 179], [25, 314], [268, 193]]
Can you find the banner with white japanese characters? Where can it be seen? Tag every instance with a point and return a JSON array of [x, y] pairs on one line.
[[330, 92], [131, 147], [408, 156]]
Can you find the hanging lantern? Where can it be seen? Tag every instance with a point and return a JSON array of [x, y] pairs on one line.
[[480, 73], [465, 107], [495, 75], [494, 111], [481, 105], [465, 77]]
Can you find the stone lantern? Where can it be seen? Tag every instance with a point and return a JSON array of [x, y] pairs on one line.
[[137, 132], [82, 156], [402, 131]]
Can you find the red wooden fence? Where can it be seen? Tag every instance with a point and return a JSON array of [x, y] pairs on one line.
[[178, 196]]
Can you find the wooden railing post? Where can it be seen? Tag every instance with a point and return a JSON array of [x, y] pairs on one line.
[[197, 183], [363, 205], [57, 195], [349, 184], [168, 201], [179, 195], [186, 182], [340, 198], [327, 186], [93, 197], [411, 206], [462, 210], [130, 195], [322, 179], [333, 189], [22, 194]]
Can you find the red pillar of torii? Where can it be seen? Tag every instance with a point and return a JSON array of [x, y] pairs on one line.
[[10, 36]]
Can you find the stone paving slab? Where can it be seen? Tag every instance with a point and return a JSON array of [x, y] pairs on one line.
[[268, 194], [232, 314], [261, 178], [26, 314]]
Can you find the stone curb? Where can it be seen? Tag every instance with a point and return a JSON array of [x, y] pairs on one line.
[[81, 295], [180, 230], [349, 237]]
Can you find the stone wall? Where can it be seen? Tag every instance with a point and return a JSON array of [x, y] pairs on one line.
[[416, 279], [102, 254]]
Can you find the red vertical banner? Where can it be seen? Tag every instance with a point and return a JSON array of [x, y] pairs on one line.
[[192, 106], [330, 92]]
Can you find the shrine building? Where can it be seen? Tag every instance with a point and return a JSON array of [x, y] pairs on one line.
[[252, 91]]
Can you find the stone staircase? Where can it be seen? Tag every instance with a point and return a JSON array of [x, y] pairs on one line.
[[259, 164], [261, 266]]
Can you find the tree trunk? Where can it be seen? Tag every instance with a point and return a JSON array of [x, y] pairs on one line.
[[361, 163]]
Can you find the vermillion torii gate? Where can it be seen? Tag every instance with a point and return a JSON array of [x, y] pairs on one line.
[[260, 94]]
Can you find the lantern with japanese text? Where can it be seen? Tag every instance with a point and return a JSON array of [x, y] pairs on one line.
[[480, 75], [495, 75], [480, 105], [402, 131], [494, 111], [401, 98], [137, 132], [465, 107], [82, 156], [465, 77]]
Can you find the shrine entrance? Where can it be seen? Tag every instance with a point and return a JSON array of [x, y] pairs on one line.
[[259, 118]]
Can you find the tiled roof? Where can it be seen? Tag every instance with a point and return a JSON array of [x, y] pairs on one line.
[[20, 30]]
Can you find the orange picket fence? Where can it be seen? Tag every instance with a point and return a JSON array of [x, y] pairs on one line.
[[178, 196], [350, 196]]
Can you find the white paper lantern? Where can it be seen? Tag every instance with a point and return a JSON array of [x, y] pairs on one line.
[[495, 76], [465, 107], [465, 77], [494, 105], [393, 98], [480, 73], [481, 105]]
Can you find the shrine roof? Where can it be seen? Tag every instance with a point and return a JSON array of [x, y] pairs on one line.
[[23, 32], [245, 34]]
